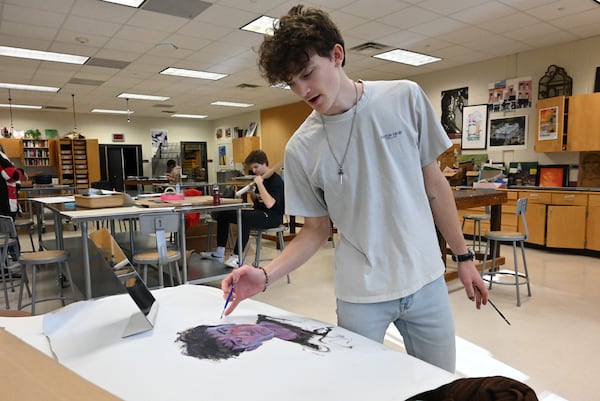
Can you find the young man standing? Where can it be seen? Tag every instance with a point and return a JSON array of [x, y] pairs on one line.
[[366, 145], [267, 212]]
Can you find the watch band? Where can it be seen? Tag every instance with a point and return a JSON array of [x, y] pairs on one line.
[[464, 257]]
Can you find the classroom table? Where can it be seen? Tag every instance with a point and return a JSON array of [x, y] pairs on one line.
[[141, 182], [66, 208], [86, 338], [468, 198]]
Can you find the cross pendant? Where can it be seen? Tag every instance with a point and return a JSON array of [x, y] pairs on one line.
[[341, 174]]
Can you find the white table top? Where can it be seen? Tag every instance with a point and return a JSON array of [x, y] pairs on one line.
[[86, 338]]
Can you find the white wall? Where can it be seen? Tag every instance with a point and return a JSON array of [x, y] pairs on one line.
[[579, 59], [137, 132]]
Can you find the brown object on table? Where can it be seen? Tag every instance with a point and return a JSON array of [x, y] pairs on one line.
[[589, 169]]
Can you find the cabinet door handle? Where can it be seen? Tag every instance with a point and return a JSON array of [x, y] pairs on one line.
[[569, 197]]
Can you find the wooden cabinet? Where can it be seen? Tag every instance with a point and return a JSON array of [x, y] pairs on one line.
[[12, 147], [584, 123], [38, 152], [78, 162], [243, 146], [568, 124], [566, 220], [592, 236], [550, 134]]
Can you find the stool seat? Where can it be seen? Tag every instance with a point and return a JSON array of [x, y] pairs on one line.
[[152, 256], [505, 236], [44, 257]]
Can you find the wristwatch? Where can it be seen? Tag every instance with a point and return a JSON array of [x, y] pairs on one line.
[[464, 257]]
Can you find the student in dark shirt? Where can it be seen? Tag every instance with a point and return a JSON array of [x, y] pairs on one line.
[[267, 212]]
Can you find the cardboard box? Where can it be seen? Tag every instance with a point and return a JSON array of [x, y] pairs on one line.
[[29, 375], [96, 202]]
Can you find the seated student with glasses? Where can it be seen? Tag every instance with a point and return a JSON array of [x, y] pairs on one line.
[[267, 212]]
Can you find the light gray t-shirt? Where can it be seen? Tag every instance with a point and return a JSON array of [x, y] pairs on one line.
[[388, 247]]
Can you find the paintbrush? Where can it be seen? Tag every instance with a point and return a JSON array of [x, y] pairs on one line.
[[494, 306], [233, 284]]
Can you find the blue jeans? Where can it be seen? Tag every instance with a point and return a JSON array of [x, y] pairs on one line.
[[424, 320]]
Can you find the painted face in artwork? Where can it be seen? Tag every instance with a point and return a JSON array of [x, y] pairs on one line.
[[241, 336]]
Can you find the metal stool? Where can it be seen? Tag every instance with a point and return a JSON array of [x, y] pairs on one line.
[[26, 223], [35, 259], [275, 230], [159, 224], [477, 219], [509, 236]]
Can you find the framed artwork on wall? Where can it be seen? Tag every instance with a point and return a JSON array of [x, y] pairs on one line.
[[555, 175], [508, 133], [548, 124], [474, 127]]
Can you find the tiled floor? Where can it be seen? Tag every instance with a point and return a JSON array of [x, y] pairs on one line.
[[551, 343]]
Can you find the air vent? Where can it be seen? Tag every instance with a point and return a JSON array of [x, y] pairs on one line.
[[163, 106], [81, 81], [181, 8], [243, 86], [55, 108], [369, 47], [108, 63]]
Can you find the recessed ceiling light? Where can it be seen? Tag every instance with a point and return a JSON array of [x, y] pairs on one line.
[[188, 115], [407, 57], [108, 111], [41, 55], [29, 87], [263, 25], [180, 72], [21, 106], [143, 97], [231, 104], [130, 3]]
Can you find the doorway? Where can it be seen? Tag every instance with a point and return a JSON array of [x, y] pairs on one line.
[[194, 163]]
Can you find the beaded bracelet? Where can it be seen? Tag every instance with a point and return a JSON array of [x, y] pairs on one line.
[[266, 278]]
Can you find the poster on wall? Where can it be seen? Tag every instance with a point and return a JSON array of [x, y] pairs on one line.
[[508, 133], [159, 139], [510, 94], [474, 127], [548, 129], [222, 155], [453, 102]]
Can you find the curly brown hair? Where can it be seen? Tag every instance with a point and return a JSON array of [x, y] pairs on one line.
[[301, 33], [256, 156]]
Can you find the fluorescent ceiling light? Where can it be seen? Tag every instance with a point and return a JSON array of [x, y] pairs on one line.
[[192, 73], [231, 104], [143, 97], [21, 106], [263, 25], [407, 57], [188, 115], [29, 87], [41, 55], [130, 3], [107, 111]]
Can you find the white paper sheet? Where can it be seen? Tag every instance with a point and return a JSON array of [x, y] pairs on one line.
[[86, 337]]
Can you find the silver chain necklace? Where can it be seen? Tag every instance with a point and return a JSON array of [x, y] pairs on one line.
[[341, 164]]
